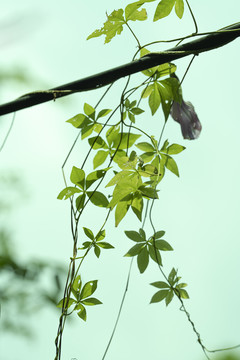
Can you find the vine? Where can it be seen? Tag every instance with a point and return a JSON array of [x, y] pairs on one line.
[[136, 175]]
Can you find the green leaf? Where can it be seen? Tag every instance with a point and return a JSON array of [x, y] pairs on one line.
[[87, 130], [163, 245], [149, 192], [142, 234], [159, 234], [174, 149], [88, 289], [121, 210], [135, 250], [160, 285], [133, 235], [183, 293], [169, 297], [179, 8], [143, 260], [147, 156], [103, 112], [89, 111], [68, 192], [125, 140], [144, 146], [100, 235], [100, 158], [137, 111], [77, 284], [82, 312], [159, 296], [137, 205], [77, 177], [105, 245], [88, 233], [78, 121], [97, 142], [97, 251], [111, 134], [80, 201], [163, 9], [112, 27], [154, 99], [170, 164], [155, 254], [91, 302], [97, 198], [172, 276], [94, 176], [131, 12]]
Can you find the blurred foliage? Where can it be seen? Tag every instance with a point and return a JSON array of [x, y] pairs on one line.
[[25, 286]]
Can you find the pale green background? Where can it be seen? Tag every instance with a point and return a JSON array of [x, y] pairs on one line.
[[199, 211]]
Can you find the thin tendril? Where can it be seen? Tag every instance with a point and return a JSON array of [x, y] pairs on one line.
[[8, 132]]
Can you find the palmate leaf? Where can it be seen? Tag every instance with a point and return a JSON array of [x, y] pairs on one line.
[[131, 12], [97, 198], [134, 235], [100, 158], [68, 192]]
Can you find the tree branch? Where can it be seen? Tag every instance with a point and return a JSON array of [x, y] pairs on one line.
[[205, 43]]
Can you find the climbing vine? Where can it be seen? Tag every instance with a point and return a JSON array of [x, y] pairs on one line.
[[127, 169]]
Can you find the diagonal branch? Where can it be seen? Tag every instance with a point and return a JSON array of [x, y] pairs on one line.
[[205, 43]]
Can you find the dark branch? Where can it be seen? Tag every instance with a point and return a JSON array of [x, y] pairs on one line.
[[205, 43]]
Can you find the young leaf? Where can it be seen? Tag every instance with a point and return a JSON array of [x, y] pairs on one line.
[[154, 99], [89, 111], [143, 260], [99, 158], [77, 284], [174, 149], [78, 121], [172, 276], [88, 289], [144, 146], [77, 177], [112, 27], [137, 205], [68, 192], [94, 176], [121, 210], [179, 8], [163, 9], [131, 12]]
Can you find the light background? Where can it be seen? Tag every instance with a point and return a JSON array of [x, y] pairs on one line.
[[199, 211]]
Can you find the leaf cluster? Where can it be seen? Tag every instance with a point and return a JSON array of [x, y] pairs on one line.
[[96, 241], [81, 296], [146, 249], [169, 289]]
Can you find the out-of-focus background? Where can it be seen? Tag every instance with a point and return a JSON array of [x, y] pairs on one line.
[[43, 44]]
